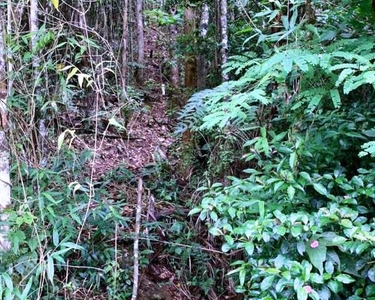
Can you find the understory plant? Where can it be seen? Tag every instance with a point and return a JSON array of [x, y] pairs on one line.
[[301, 211], [64, 230]]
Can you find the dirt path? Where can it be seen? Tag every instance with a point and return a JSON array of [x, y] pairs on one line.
[[149, 133], [148, 139]]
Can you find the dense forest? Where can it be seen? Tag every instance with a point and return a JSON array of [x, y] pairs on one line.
[[176, 149]]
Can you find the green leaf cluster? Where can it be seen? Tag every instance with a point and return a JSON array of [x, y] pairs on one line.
[[301, 210]]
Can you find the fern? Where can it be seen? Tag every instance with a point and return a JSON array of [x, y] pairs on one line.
[[342, 67]]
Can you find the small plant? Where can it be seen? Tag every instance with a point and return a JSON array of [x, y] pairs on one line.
[[57, 243]]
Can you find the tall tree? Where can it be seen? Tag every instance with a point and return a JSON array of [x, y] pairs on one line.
[[9, 32], [201, 61], [140, 40], [224, 36], [34, 30], [175, 71], [190, 63], [5, 185], [124, 47]]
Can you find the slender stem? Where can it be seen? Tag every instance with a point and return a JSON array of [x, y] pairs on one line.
[[136, 239]]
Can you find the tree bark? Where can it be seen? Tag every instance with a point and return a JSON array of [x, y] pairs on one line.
[[175, 72], [9, 56], [310, 12], [124, 48], [140, 39], [5, 185], [34, 29], [201, 61], [190, 62], [224, 37]]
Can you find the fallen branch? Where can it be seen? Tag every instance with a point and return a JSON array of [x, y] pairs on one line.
[[136, 240]]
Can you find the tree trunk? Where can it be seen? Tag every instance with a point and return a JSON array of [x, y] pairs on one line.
[[185, 165], [34, 29], [201, 61], [216, 60], [190, 63], [310, 12], [124, 48], [224, 37], [175, 72], [9, 56], [5, 185], [141, 42]]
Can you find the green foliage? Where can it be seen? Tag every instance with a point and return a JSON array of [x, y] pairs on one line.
[[301, 212], [368, 148], [162, 18], [57, 242]]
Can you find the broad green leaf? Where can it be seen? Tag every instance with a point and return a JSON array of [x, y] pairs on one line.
[[334, 286], [229, 239], [194, 211], [215, 231], [267, 282], [261, 209], [316, 278], [273, 271], [301, 294], [291, 192], [301, 247], [232, 212], [371, 274], [213, 216], [317, 255], [249, 247], [346, 279], [226, 247], [346, 223], [293, 160], [320, 189], [242, 276], [305, 176]]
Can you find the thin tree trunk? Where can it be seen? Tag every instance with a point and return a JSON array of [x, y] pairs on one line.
[[201, 61], [190, 63], [138, 217], [5, 185], [124, 47], [141, 42], [216, 63], [9, 57], [175, 72], [224, 37], [190, 85], [310, 12], [34, 29]]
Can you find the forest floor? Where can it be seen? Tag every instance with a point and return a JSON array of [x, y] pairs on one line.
[[148, 140]]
